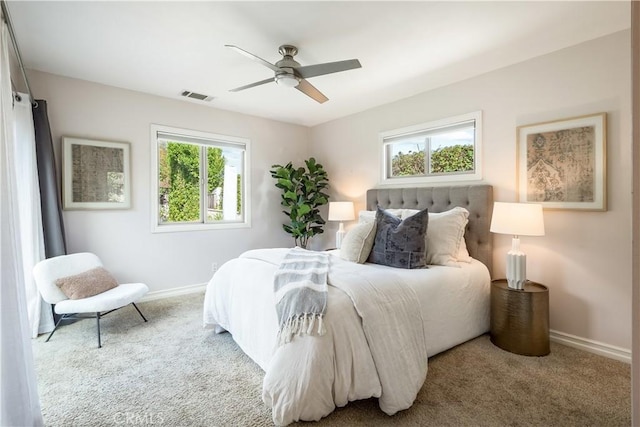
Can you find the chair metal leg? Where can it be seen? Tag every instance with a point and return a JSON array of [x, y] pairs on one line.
[[62, 317], [98, 319], [98, 316], [139, 312]]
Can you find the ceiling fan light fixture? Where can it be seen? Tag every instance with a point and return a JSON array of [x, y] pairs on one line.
[[287, 80]]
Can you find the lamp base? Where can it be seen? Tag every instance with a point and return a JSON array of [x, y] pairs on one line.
[[340, 235], [516, 270]]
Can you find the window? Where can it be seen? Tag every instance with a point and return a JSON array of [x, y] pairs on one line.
[[443, 150], [199, 180]]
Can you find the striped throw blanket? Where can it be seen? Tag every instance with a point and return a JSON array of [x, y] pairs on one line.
[[300, 286]]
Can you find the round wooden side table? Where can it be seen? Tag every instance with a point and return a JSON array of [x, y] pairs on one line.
[[520, 318]]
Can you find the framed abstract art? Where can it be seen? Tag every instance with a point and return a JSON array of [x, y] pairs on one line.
[[562, 164], [95, 174]]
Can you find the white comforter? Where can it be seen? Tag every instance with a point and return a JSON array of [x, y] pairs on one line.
[[381, 323]]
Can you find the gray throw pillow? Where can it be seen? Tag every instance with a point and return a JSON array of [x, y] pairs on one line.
[[400, 243]]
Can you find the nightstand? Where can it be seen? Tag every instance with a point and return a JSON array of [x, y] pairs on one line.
[[520, 318]]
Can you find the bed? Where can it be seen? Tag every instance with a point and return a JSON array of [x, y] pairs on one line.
[[381, 323]]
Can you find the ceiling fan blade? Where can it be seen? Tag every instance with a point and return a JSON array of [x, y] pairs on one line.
[[261, 82], [253, 57], [310, 90], [327, 68]]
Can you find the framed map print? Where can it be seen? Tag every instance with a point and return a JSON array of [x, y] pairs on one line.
[[562, 164], [95, 174]]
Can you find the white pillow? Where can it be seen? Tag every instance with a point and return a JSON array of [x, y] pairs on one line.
[[357, 243], [369, 216], [406, 213], [445, 237], [463, 253], [366, 216]]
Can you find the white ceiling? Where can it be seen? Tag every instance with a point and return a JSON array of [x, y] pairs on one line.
[[405, 48]]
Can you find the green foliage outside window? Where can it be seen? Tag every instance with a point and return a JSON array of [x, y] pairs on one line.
[[179, 179], [239, 194], [456, 158], [184, 182], [215, 161], [411, 163]]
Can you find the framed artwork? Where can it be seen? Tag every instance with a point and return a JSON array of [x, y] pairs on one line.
[[563, 164], [95, 174]]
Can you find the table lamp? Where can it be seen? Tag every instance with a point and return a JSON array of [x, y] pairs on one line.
[[517, 219], [341, 211]]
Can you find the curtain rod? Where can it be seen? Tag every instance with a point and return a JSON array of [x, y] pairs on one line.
[[7, 19]]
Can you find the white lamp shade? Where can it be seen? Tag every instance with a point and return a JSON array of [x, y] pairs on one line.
[[341, 211], [517, 219]]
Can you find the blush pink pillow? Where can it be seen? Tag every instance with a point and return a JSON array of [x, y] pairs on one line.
[[84, 285]]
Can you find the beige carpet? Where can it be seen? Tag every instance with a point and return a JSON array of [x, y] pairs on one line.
[[171, 372]]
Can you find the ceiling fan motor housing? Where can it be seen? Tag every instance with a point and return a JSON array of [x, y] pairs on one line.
[[288, 50], [287, 75]]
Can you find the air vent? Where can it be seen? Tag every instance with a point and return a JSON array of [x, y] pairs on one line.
[[198, 96]]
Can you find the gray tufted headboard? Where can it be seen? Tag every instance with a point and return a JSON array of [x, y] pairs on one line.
[[477, 199]]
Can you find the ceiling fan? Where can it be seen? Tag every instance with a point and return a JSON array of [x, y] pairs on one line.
[[289, 73]]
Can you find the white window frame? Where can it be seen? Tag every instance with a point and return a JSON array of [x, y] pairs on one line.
[[384, 137], [156, 227]]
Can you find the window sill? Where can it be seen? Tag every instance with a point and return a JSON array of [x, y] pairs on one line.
[[176, 228]]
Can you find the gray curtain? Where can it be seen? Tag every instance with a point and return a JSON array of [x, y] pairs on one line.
[[54, 240]]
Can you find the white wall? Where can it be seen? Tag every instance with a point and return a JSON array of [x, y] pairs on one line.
[[585, 257], [123, 238]]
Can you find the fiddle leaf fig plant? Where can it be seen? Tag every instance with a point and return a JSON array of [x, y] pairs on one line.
[[302, 195]]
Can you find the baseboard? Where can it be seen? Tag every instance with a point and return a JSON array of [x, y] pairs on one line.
[[168, 293], [613, 352]]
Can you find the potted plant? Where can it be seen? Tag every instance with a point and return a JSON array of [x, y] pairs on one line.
[[302, 195]]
